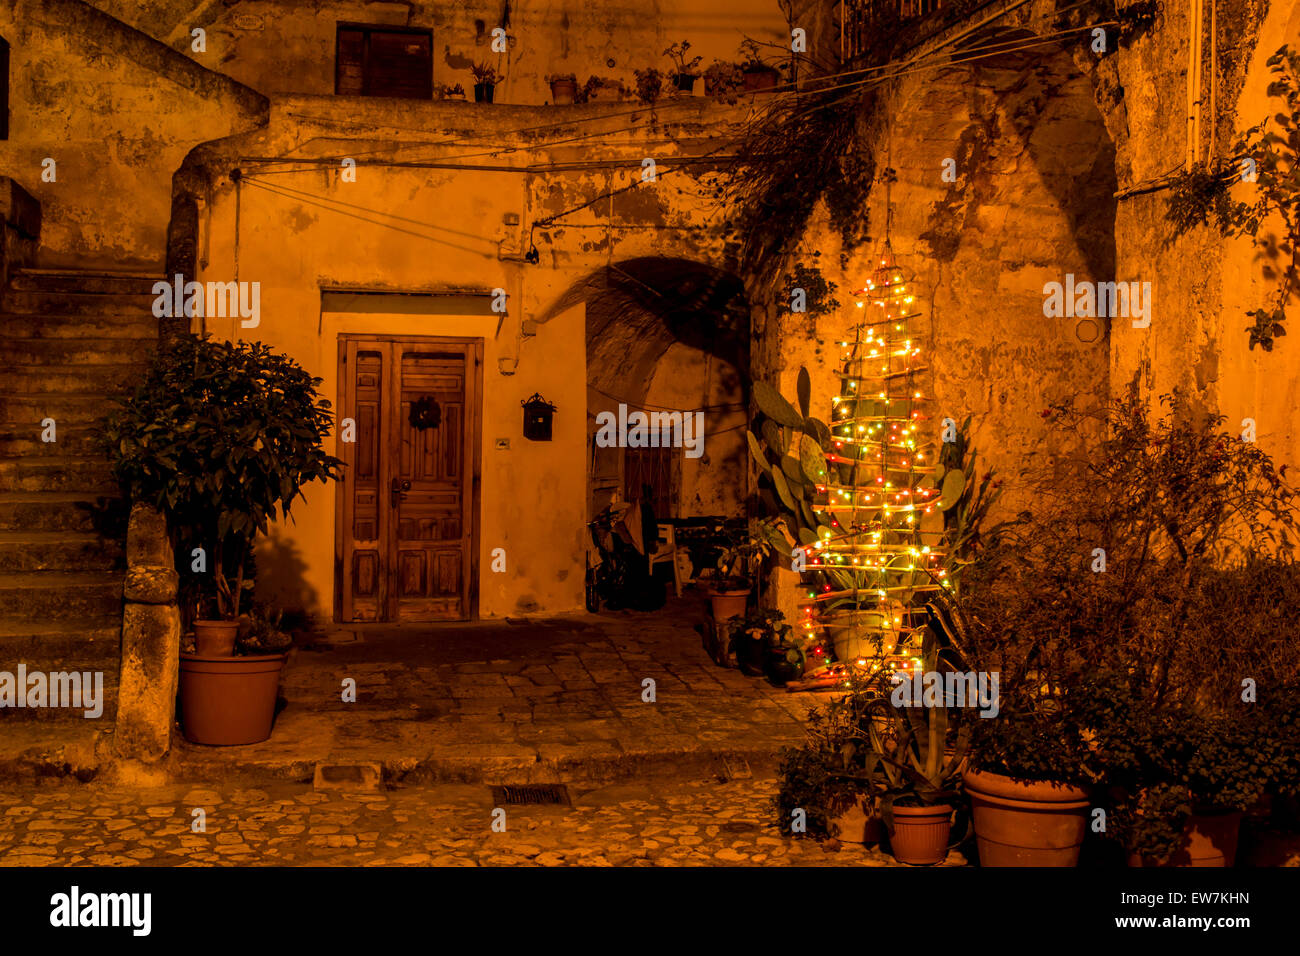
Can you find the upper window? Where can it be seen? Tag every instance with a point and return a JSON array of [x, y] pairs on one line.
[[384, 61]]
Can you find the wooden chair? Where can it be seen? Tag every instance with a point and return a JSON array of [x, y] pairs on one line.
[[666, 550]]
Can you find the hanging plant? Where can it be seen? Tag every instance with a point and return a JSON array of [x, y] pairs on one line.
[[1267, 157], [808, 292]]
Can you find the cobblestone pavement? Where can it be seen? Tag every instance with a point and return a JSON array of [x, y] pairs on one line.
[[667, 823], [537, 700]]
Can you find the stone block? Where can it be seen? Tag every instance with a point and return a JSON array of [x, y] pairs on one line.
[[150, 585], [147, 542], [348, 777], [151, 639]]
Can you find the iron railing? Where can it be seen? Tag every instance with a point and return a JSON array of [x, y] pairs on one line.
[[859, 19]]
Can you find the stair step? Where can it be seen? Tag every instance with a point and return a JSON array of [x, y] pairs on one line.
[[58, 511], [90, 645], [62, 280], [22, 551], [63, 407], [76, 303], [53, 379], [99, 351], [23, 440], [93, 475], [131, 324], [60, 595]]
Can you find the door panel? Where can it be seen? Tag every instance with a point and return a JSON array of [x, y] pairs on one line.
[[409, 496], [432, 547]]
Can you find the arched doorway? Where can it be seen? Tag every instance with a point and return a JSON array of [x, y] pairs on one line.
[[668, 336]]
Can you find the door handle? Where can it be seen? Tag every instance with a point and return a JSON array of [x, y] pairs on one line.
[[398, 486]]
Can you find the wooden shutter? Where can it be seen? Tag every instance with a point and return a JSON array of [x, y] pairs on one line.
[[381, 61]]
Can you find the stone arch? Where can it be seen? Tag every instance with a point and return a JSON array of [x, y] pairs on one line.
[[668, 334]]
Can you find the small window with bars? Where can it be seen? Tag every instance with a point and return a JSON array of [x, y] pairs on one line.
[[384, 61]]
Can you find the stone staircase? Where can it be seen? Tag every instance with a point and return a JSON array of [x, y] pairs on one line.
[[69, 343]]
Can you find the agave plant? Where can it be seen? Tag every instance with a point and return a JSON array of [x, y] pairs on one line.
[[918, 752]]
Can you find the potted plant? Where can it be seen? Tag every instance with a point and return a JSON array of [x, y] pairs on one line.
[[762, 644], [823, 788], [564, 88], [649, 84], [683, 74], [600, 88], [456, 92], [729, 585], [485, 80], [1106, 671], [918, 752], [221, 437], [723, 79], [757, 75], [1029, 776]]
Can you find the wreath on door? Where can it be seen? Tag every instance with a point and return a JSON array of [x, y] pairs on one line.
[[425, 413]]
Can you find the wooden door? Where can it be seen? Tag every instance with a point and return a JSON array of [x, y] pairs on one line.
[[407, 537]]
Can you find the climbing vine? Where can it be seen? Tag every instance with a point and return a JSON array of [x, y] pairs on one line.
[[1265, 156]]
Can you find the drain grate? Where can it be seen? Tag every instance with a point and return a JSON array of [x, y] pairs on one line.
[[523, 794]]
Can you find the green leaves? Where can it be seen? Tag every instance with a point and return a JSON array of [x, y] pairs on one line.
[[221, 436]]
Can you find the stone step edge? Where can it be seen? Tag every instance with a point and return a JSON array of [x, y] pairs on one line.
[[187, 763]]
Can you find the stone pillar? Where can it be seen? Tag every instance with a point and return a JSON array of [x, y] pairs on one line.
[[151, 640]]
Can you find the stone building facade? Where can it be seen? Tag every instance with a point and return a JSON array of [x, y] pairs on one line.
[[498, 251]]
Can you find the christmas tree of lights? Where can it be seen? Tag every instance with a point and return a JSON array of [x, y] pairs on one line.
[[879, 544]]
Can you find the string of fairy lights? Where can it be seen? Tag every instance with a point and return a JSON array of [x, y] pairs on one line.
[[883, 543]]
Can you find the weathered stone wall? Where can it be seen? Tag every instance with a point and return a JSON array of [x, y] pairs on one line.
[[431, 229], [1030, 202], [288, 46], [116, 111], [1203, 288]]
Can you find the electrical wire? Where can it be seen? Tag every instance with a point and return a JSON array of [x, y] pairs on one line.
[[991, 50], [985, 51]]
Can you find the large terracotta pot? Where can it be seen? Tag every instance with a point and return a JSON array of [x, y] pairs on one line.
[[1026, 822], [564, 91], [227, 701], [919, 835], [215, 638], [1209, 839], [728, 604]]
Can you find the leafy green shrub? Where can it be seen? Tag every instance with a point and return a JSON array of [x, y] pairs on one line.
[[221, 437]]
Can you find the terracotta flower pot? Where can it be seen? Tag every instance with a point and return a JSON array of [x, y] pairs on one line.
[[728, 604], [1026, 822], [564, 92], [685, 82], [1209, 839], [215, 638], [229, 701], [483, 92], [919, 835]]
